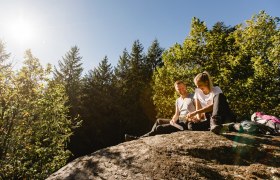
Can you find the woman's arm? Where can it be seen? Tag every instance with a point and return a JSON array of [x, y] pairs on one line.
[[198, 107], [208, 108], [199, 110]]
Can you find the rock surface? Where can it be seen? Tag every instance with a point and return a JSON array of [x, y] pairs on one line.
[[182, 155]]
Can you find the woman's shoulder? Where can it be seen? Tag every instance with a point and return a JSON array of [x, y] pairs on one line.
[[197, 93], [217, 90]]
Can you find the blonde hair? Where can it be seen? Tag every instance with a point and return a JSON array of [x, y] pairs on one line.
[[204, 78]]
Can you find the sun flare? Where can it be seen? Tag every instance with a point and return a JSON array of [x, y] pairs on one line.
[[23, 31]]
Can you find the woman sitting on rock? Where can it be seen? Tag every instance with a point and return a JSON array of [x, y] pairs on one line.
[[211, 105]]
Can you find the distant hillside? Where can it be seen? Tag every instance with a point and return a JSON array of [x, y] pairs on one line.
[[182, 155]]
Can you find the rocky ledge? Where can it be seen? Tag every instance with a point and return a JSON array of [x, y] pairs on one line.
[[182, 155]]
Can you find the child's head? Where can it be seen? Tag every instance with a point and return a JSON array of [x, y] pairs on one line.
[[203, 81]]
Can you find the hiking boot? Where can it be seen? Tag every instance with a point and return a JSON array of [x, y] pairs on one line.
[[219, 129], [216, 129], [228, 127], [128, 137], [215, 126]]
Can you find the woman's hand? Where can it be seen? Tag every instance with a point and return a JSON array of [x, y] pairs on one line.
[[191, 114], [194, 119]]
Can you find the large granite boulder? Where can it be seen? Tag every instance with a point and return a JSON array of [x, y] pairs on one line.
[[182, 155]]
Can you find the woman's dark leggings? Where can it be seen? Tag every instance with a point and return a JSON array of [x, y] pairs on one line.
[[221, 114]]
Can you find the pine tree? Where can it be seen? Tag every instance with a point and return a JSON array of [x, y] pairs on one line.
[[154, 56], [107, 121], [131, 76], [123, 66], [152, 62], [99, 111], [69, 74]]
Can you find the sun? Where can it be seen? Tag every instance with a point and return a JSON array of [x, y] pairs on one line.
[[23, 31]]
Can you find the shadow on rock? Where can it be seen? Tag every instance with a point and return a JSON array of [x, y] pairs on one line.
[[83, 173], [238, 155], [191, 171], [252, 140], [115, 157]]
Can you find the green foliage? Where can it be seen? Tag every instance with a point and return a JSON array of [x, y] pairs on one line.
[[33, 122], [255, 73], [4, 56], [243, 61]]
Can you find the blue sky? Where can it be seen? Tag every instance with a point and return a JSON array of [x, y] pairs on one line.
[[105, 27]]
